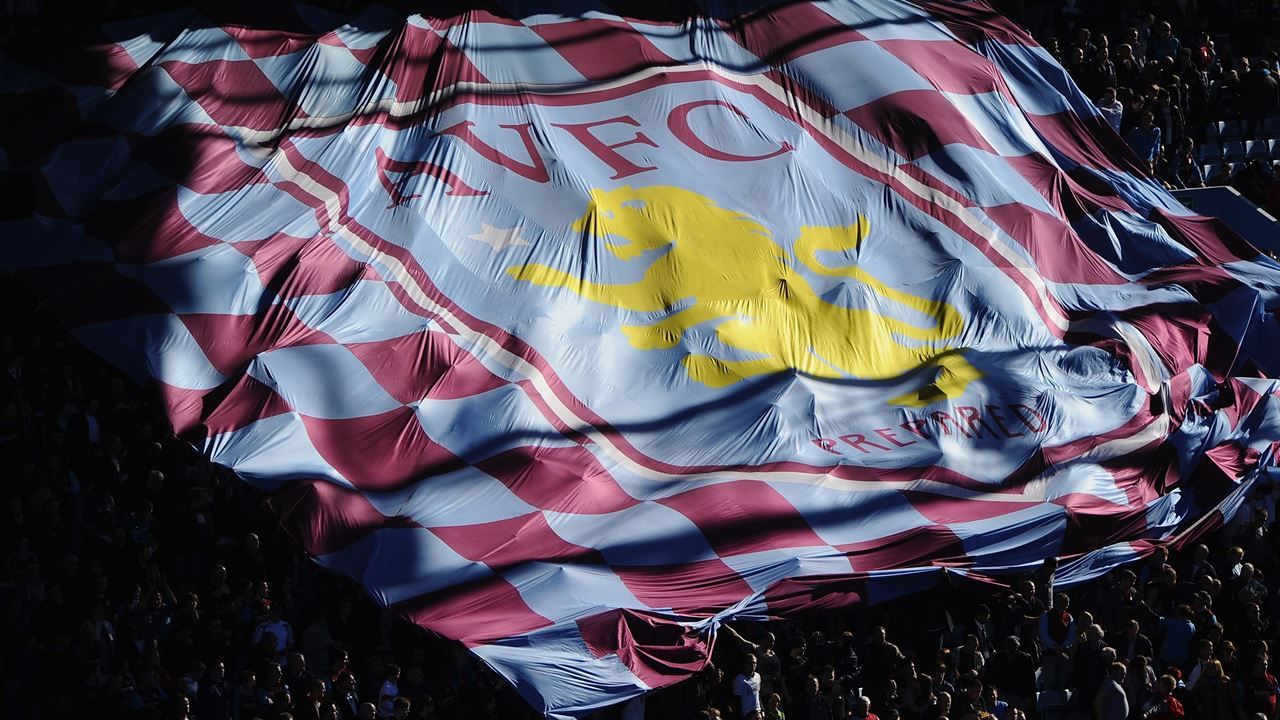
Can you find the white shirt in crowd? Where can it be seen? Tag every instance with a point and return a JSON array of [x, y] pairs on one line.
[[386, 699], [748, 688], [1112, 111], [282, 630]]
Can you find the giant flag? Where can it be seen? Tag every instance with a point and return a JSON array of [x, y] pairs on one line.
[[571, 331]]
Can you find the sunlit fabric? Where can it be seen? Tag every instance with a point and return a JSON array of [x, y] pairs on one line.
[[572, 333]]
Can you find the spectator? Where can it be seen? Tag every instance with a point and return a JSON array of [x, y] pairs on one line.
[[860, 709], [1252, 182], [346, 696], [1057, 637], [389, 691], [1164, 706], [1014, 672], [213, 698], [747, 686], [1140, 682], [883, 657], [1186, 170], [1089, 667], [1128, 67], [295, 670], [1144, 140], [1172, 122], [991, 703], [1258, 689], [1200, 564], [1099, 73], [1118, 600], [1138, 36], [1213, 696], [773, 708], [1259, 95], [969, 658], [1221, 176], [1164, 44], [1178, 633], [1111, 108], [279, 630], [813, 705], [941, 707], [310, 705], [1110, 702]]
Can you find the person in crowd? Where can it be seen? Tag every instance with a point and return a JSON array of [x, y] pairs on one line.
[[346, 695], [1186, 172], [1178, 631], [1259, 95], [773, 709], [1043, 579], [1214, 697], [1057, 638], [1111, 108], [812, 703], [1013, 671], [389, 690], [213, 696], [1098, 73], [1145, 140], [1164, 705], [1110, 701], [747, 686], [1164, 43], [1128, 66], [860, 709], [992, 704], [1258, 688], [941, 707], [1089, 666]]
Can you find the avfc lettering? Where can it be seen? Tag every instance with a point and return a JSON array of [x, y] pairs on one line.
[[608, 139], [989, 422]]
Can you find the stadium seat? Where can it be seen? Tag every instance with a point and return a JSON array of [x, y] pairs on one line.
[[1256, 149], [1233, 151], [1212, 131], [1273, 148], [1206, 171], [1231, 130], [1271, 127], [1234, 168], [1211, 152]]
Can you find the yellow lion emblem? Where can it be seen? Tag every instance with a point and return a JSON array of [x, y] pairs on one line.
[[707, 264]]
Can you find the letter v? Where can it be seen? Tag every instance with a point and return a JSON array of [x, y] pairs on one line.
[[535, 169]]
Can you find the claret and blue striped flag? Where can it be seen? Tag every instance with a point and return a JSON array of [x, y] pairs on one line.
[[572, 331]]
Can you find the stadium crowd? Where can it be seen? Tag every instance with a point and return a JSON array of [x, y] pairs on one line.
[[139, 581], [1191, 86]]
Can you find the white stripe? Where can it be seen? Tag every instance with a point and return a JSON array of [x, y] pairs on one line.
[[1153, 368]]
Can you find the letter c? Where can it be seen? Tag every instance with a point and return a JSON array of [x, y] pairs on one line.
[[678, 122]]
